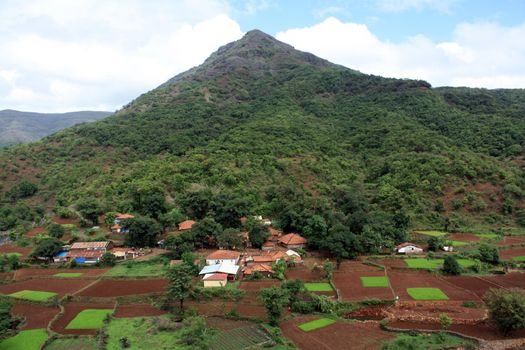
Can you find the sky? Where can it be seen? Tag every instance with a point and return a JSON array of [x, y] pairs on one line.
[[63, 55]]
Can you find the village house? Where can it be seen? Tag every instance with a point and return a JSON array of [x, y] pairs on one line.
[[215, 280], [223, 257], [264, 270], [230, 270], [408, 248], [269, 258], [117, 223], [293, 241], [186, 225], [88, 252], [125, 253]]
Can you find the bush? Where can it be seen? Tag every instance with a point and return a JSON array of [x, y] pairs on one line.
[[506, 309], [451, 266], [303, 307]]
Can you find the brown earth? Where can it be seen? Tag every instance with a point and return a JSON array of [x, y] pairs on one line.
[[115, 288], [36, 316], [36, 230], [355, 266], [400, 281], [429, 311], [353, 335], [510, 280], [475, 284], [71, 311], [509, 240], [63, 221], [464, 237], [393, 263], [38, 272], [137, 310], [10, 248], [6, 276], [60, 286], [508, 254], [350, 286], [305, 274]]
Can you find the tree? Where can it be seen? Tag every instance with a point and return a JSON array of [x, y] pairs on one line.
[[194, 333], [143, 232], [435, 244], [109, 218], [90, 209], [205, 229], [294, 288], [445, 321], [47, 248], [506, 309], [56, 230], [279, 267], [328, 268], [488, 254], [342, 244], [171, 218], [274, 300], [5, 317], [22, 190], [451, 266], [179, 286], [148, 198], [229, 238], [258, 233], [108, 259]]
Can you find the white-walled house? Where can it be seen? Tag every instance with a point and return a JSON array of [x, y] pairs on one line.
[[223, 257], [409, 248]]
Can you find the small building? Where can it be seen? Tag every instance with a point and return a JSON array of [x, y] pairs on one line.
[[408, 248], [125, 253], [88, 252], [214, 280], [117, 223], [186, 225], [269, 258], [448, 248], [264, 270], [60, 257], [228, 269], [293, 241], [223, 257], [268, 246]]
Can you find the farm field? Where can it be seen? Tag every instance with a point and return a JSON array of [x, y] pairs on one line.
[[464, 237], [137, 269], [83, 343], [350, 286], [71, 312], [239, 338], [431, 233], [514, 254], [107, 288], [68, 274], [11, 248], [427, 294], [37, 316], [137, 310], [60, 286], [433, 264], [33, 295], [35, 272], [377, 281], [318, 287], [316, 324], [89, 319], [25, 340], [510, 240]]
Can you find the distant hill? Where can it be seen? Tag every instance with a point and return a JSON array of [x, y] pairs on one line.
[[20, 127], [347, 159]]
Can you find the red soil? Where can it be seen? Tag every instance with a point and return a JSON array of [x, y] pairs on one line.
[[511, 280], [507, 254], [429, 311], [36, 316], [464, 237], [71, 311], [509, 240], [400, 281], [476, 285], [138, 310], [480, 330], [305, 274], [355, 266], [63, 221], [37, 272], [396, 263], [116, 288], [341, 335], [6, 276], [218, 308], [10, 248], [56, 285], [34, 231], [351, 288]]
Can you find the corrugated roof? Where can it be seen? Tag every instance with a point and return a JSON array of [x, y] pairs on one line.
[[89, 245], [230, 269]]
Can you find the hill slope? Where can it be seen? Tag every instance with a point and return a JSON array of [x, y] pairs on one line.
[[21, 127], [261, 128]]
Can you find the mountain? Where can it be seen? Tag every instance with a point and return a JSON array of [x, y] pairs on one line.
[[340, 156], [21, 127]]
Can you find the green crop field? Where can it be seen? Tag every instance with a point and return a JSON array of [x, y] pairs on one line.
[[81, 343], [431, 233], [25, 340], [239, 338], [518, 258], [68, 274], [137, 330], [318, 287], [433, 264], [487, 235], [380, 281], [89, 319], [32, 295], [137, 269], [316, 324], [459, 243], [427, 294]]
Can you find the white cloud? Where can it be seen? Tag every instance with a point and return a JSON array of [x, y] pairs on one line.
[[444, 6], [479, 54], [60, 55]]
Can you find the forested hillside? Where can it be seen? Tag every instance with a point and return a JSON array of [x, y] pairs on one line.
[[350, 160], [20, 127]]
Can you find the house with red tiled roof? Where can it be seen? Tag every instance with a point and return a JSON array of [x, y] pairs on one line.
[[213, 280], [265, 270], [223, 257], [408, 248], [293, 241], [186, 225], [117, 223], [269, 258]]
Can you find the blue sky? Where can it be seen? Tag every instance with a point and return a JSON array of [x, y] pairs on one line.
[[63, 55]]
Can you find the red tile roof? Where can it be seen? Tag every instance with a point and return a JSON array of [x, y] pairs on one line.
[[216, 277], [274, 232], [116, 227], [186, 225], [292, 239], [223, 255], [124, 216]]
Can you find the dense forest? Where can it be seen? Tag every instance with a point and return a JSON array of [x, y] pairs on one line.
[[351, 161]]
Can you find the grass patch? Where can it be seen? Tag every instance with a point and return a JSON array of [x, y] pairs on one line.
[[518, 258], [426, 294], [381, 281], [89, 319], [14, 254], [32, 295], [488, 235], [137, 269], [316, 324], [318, 287], [239, 338], [139, 332], [432, 233], [458, 243], [68, 274], [434, 264], [433, 341], [82, 343], [25, 340]]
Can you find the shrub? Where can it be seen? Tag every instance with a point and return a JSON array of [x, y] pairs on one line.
[[506, 309], [451, 266]]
